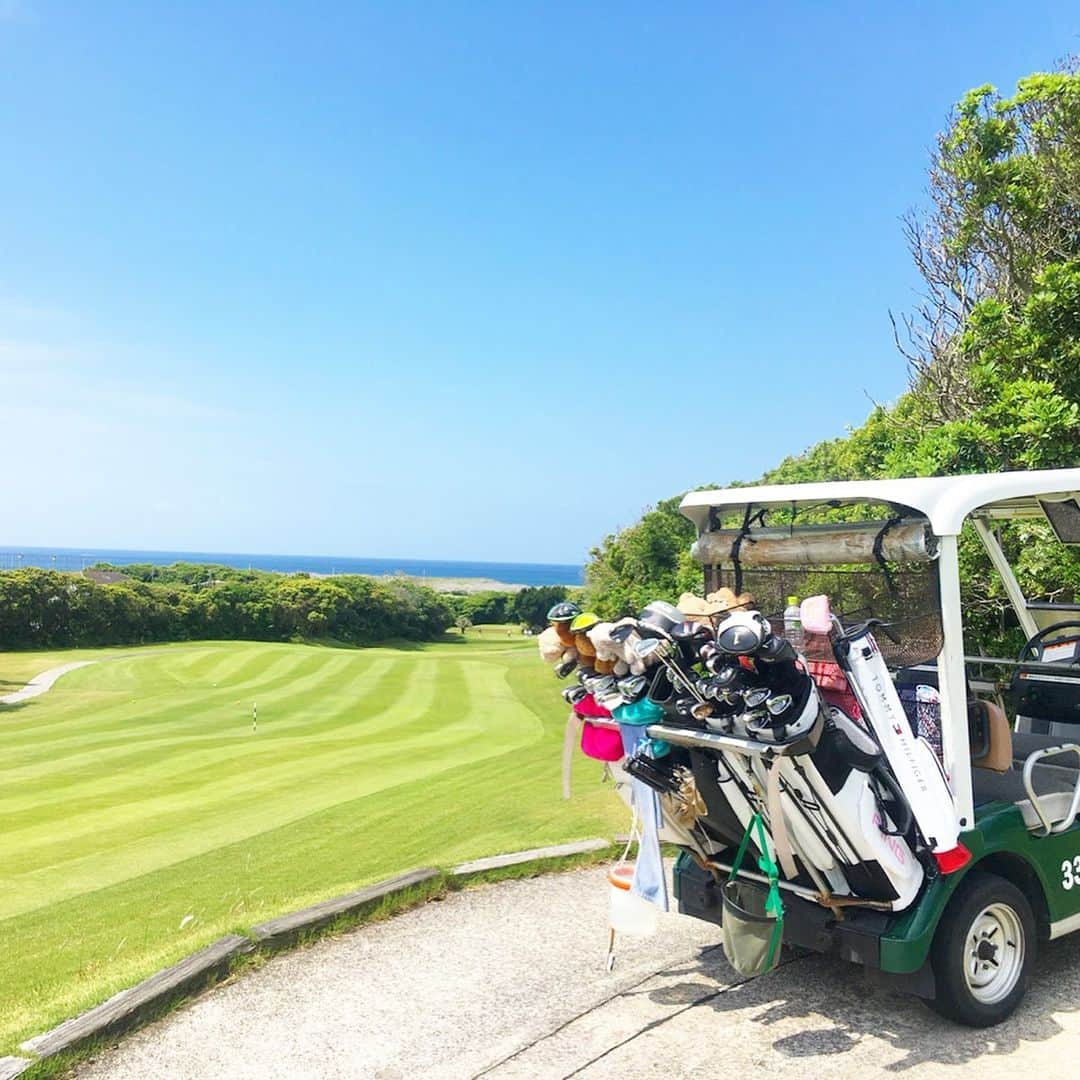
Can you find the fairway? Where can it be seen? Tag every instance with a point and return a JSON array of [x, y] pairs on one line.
[[143, 814]]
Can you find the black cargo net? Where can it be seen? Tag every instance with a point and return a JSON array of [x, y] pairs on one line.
[[906, 599]]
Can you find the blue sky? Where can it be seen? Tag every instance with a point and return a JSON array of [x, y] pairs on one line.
[[388, 279]]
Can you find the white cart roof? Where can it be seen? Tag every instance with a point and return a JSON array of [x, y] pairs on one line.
[[945, 501]]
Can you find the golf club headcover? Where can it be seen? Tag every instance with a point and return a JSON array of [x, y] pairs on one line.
[[586, 651], [551, 648], [633, 662], [608, 653]]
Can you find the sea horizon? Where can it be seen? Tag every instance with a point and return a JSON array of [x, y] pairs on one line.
[[507, 573]]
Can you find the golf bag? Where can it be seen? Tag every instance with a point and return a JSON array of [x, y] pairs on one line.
[[842, 816], [911, 758]]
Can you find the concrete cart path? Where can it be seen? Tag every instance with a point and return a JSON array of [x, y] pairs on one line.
[[508, 981], [42, 681]]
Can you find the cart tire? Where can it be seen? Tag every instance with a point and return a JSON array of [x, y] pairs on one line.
[[983, 951]]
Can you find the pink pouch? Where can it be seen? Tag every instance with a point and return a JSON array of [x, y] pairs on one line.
[[604, 744], [587, 707]]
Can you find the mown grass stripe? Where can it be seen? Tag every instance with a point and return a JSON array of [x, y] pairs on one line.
[[96, 913], [192, 714], [195, 755], [116, 711], [207, 759], [419, 739]]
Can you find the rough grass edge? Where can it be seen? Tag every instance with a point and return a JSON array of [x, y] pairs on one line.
[[437, 888]]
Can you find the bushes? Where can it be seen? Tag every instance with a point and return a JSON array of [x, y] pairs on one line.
[[45, 609]]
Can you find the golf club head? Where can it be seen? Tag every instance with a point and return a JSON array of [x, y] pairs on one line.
[[573, 694], [760, 725], [564, 667], [707, 688], [756, 696], [775, 650], [623, 630], [600, 684], [779, 704], [701, 711], [708, 653], [691, 631], [728, 674], [721, 723], [632, 687], [609, 699], [651, 647], [742, 633], [661, 617], [684, 706], [715, 660]]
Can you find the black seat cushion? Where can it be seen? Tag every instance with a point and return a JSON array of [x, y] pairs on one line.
[[1009, 786]]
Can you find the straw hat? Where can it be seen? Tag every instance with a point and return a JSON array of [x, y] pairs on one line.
[[720, 602]]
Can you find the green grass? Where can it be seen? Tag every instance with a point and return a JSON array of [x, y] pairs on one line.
[[140, 816]]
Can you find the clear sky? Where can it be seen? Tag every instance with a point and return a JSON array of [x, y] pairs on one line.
[[452, 280]]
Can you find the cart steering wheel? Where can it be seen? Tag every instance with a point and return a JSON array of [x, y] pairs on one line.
[[1028, 651]]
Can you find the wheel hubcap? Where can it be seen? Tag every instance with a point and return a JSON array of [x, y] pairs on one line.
[[994, 953]]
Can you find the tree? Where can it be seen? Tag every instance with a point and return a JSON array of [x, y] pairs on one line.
[[40, 608], [993, 351], [647, 561], [531, 605], [463, 622], [1004, 187]]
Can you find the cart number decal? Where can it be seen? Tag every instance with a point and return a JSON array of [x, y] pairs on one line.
[[1070, 873]]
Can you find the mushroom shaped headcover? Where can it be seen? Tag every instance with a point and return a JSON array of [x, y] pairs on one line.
[[561, 616], [585, 648]]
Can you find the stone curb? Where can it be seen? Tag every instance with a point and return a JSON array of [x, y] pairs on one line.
[[137, 1004], [284, 930], [515, 858], [125, 1009]]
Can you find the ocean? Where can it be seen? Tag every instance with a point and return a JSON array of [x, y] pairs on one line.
[[510, 573]]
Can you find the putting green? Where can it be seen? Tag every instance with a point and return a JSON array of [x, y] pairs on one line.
[[141, 816]]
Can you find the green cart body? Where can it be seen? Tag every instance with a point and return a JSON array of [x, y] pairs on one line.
[[1021, 884]]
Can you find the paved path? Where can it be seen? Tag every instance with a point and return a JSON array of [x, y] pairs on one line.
[[42, 682], [508, 981]]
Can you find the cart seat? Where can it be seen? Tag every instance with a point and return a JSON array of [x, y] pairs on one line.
[[991, 736], [1054, 784]]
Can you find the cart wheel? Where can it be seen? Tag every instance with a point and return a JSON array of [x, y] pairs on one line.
[[983, 951]]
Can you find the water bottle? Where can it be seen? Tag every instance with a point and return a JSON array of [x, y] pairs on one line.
[[793, 630]]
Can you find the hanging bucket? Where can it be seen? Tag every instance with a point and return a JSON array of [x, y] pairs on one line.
[[630, 914], [751, 934], [753, 922]]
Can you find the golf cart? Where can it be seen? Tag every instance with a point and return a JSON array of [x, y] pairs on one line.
[[939, 851]]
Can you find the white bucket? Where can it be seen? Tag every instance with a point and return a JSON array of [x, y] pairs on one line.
[[630, 914]]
